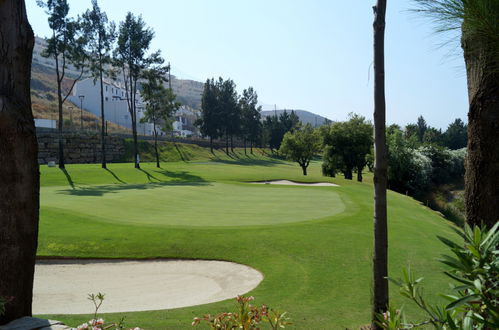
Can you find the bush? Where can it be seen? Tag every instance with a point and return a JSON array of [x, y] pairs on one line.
[[474, 303], [248, 317]]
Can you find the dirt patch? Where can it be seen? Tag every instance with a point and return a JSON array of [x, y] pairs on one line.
[[62, 286]]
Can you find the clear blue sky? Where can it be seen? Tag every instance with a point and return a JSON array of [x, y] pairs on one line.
[[303, 54]]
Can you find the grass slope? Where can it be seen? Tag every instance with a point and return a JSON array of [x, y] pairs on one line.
[[319, 271]]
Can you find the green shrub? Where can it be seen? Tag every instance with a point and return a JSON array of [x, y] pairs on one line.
[[474, 302]]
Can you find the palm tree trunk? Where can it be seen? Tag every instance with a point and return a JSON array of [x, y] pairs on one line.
[[19, 173], [482, 163], [380, 256]]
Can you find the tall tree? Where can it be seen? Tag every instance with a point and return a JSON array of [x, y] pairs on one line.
[[421, 128], [19, 173], [380, 255], [456, 135], [228, 108], [209, 122], [160, 105], [250, 117], [477, 20], [301, 145], [65, 46], [100, 35], [134, 40]]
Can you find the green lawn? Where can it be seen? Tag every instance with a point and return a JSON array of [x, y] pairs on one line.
[[313, 244]]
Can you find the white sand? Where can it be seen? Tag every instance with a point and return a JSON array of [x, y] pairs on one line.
[[293, 183], [62, 286]]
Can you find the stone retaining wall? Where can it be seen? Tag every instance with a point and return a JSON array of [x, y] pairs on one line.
[[79, 148]]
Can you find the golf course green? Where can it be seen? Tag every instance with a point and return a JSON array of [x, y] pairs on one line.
[[312, 244], [181, 204]]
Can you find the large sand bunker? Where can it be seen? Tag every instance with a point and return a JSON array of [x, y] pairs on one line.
[[294, 183], [62, 286]]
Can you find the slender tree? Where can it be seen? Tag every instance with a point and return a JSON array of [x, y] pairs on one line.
[[477, 21], [100, 35], [65, 46], [134, 39], [209, 122], [19, 173], [250, 117], [380, 256], [228, 110], [160, 106]]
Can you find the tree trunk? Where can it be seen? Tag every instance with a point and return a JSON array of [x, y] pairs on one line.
[[380, 255], [103, 136], [348, 174], [482, 163], [245, 146], [359, 175], [231, 143], [251, 147], [156, 145], [226, 144], [304, 169], [211, 144], [134, 124], [19, 173], [61, 119]]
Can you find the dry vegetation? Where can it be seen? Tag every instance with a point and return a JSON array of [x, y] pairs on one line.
[[44, 103]]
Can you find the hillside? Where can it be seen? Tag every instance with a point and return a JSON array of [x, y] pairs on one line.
[[44, 101], [306, 117]]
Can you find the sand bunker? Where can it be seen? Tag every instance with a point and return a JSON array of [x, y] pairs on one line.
[[62, 286], [293, 183]]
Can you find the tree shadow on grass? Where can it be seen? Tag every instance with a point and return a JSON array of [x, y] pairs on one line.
[[181, 176], [115, 188], [180, 153], [251, 162], [68, 177], [150, 177], [114, 175]]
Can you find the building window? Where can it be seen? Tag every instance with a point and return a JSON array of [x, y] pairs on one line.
[[112, 90], [107, 99], [106, 88]]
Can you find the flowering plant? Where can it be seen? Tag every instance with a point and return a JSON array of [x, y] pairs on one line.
[[99, 323], [248, 317]]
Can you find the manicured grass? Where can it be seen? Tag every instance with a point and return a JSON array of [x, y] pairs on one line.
[[181, 204], [319, 271]]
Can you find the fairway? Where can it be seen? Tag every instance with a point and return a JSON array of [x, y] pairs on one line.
[[312, 244], [195, 204]]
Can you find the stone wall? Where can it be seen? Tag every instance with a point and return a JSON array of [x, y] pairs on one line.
[[79, 148]]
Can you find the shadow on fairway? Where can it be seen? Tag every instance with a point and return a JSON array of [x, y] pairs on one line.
[[114, 175], [111, 189], [68, 177], [180, 176], [250, 162]]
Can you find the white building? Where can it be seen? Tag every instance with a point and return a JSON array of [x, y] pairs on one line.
[[184, 122], [86, 93]]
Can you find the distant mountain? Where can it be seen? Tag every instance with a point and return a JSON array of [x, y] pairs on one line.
[[306, 117]]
